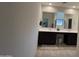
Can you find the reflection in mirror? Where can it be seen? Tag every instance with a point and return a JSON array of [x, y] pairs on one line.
[[67, 22], [44, 23], [47, 19]]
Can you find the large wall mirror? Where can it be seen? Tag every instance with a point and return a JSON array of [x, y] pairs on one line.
[[49, 20]]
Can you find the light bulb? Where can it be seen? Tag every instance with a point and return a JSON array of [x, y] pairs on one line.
[[50, 3], [74, 6]]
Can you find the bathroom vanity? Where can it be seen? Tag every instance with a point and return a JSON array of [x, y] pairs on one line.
[[48, 36], [58, 27]]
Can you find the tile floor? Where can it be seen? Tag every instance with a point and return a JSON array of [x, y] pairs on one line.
[[54, 51]]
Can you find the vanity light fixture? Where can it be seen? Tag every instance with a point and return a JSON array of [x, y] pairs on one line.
[[74, 6], [50, 3]]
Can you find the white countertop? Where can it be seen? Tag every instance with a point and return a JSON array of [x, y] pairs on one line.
[[55, 30]]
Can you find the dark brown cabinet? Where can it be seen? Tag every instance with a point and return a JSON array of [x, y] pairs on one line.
[[70, 38], [49, 38]]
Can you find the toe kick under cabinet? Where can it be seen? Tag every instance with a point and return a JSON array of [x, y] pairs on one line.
[[49, 38]]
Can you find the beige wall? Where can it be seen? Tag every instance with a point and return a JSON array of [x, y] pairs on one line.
[[18, 28], [78, 36]]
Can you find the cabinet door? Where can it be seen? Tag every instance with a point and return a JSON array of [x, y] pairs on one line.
[[70, 39], [47, 38]]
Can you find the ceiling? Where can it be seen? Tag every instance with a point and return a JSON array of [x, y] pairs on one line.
[[63, 4]]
